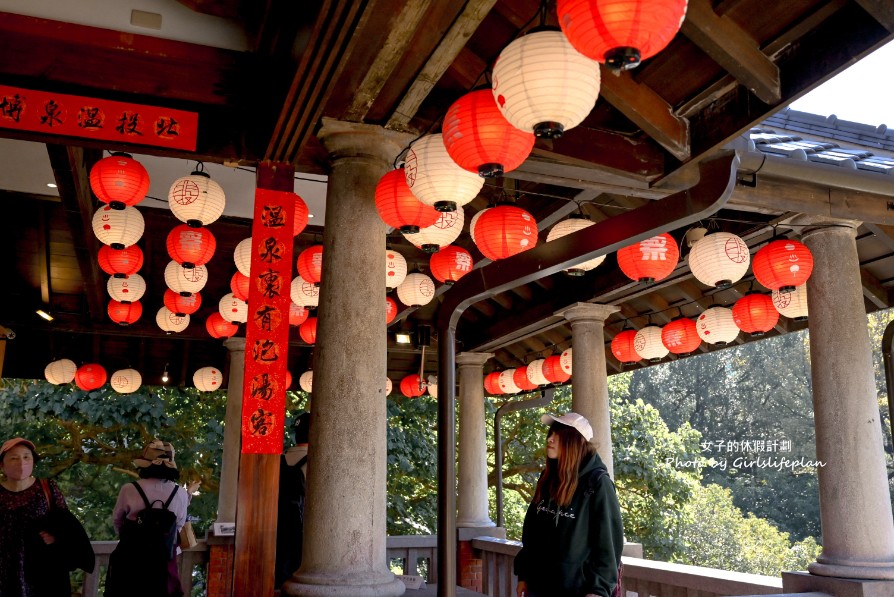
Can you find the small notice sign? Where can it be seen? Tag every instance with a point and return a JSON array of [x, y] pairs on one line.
[[412, 582]]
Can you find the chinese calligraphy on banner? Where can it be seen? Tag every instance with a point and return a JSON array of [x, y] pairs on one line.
[[267, 329], [89, 118]]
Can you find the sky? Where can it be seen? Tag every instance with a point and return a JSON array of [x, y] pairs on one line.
[[862, 93]]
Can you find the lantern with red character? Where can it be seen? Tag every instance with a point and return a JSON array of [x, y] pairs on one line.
[[398, 206], [755, 314], [622, 346], [310, 264], [680, 336], [119, 180], [120, 262], [783, 264], [450, 264], [90, 377], [190, 246], [308, 330], [649, 260]]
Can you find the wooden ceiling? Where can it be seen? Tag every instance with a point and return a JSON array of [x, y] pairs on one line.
[[400, 64]]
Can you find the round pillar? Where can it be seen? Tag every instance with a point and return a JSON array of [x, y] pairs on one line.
[[232, 442], [472, 490]]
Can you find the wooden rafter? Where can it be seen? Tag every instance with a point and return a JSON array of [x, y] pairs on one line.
[[881, 10], [874, 291]]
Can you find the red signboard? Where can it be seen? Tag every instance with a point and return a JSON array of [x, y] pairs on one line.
[[267, 330], [102, 120]]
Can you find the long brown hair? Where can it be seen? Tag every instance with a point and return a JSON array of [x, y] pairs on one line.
[[559, 478]]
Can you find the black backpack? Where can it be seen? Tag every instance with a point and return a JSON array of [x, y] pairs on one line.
[[595, 476], [290, 521], [155, 529]]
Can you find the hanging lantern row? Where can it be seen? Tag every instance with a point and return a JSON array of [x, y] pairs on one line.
[[551, 370], [124, 381]]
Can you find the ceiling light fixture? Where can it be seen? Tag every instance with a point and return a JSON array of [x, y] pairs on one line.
[[51, 185], [403, 338], [44, 314], [164, 376]]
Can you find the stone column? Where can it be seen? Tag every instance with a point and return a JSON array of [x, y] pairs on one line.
[[589, 380], [229, 471], [472, 490], [344, 518], [855, 504]]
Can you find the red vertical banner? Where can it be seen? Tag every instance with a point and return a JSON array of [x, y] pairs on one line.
[[267, 329]]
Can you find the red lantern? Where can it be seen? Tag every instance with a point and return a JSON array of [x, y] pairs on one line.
[[301, 216], [755, 314], [553, 371], [191, 247], [90, 377], [308, 330], [782, 265], [398, 206], [480, 139], [412, 386], [680, 336], [520, 378], [239, 284], [620, 33], [310, 264], [450, 264], [649, 260], [288, 380], [492, 383], [504, 231], [119, 180], [182, 305], [297, 314], [120, 262], [125, 313], [622, 347], [390, 309], [218, 327]]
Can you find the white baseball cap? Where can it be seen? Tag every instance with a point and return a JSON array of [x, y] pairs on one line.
[[575, 420]]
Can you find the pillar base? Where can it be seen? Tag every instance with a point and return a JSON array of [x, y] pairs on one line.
[[484, 523], [854, 570], [370, 584], [802, 582]]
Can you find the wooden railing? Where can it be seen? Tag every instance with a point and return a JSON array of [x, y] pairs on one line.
[[189, 560], [410, 549]]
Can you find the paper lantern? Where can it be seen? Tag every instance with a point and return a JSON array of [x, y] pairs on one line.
[[388, 387], [649, 260], [302, 214], [190, 246], [120, 262], [232, 309], [450, 264], [553, 371], [412, 386], [435, 179], [416, 289], [647, 344], [755, 314], [620, 33], [622, 346], [534, 372], [783, 265], [90, 377], [125, 313], [119, 180], [182, 305], [306, 381], [239, 285], [398, 206], [60, 372], [565, 360], [196, 199], [303, 293], [507, 383], [390, 309], [207, 379], [492, 383], [118, 228], [126, 290], [395, 268], [297, 315], [716, 326], [185, 280], [440, 234], [680, 336], [542, 84], [480, 139], [308, 330], [288, 380], [719, 259], [566, 227], [791, 304], [520, 379], [504, 231], [474, 221], [218, 327], [126, 381], [242, 256], [310, 264], [432, 386], [171, 322]]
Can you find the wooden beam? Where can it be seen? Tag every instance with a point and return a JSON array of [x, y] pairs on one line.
[[874, 291], [43, 254], [881, 10], [733, 49], [884, 234]]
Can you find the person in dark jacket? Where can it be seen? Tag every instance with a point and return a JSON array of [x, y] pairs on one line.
[[572, 537]]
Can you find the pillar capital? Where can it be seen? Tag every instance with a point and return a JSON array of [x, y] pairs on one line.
[[473, 358], [235, 344], [812, 225], [588, 312], [356, 140]]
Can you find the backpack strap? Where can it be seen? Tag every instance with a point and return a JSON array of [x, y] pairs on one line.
[[301, 462], [45, 485], [595, 476], [142, 494], [171, 497]]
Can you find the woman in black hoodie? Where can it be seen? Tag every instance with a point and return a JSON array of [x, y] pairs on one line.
[[573, 536]]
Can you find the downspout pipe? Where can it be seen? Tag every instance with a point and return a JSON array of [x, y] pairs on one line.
[[717, 178], [888, 358]]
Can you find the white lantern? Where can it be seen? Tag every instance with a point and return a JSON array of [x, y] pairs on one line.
[[566, 227], [171, 322], [719, 259], [60, 372], [395, 268], [716, 326], [185, 280], [535, 373], [792, 304], [507, 383], [432, 386], [565, 361], [542, 84], [118, 228], [388, 387], [207, 379], [435, 179], [303, 293], [416, 289], [127, 290], [440, 234], [474, 221], [647, 343], [306, 381], [232, 309], [242, 256], [125, 381], [196, 199]]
